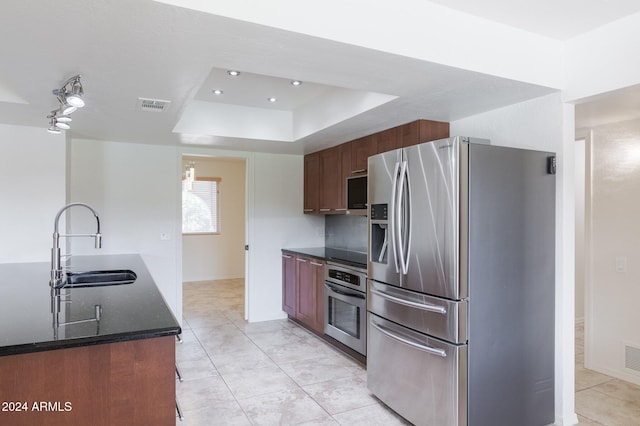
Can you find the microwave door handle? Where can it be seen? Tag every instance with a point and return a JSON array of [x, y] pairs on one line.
[[394, 193]]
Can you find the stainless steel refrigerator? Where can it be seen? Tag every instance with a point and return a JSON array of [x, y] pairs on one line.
[[461, 283]]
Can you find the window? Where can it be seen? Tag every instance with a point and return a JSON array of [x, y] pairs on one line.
[[200, 207]]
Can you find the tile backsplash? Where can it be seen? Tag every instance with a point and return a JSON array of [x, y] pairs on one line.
[[346, 232]]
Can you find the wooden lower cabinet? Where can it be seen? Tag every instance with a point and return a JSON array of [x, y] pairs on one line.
[[125, 383], [289, 284], [307, 290]]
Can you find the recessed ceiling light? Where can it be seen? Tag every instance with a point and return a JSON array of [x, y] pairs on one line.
[[233, 73], [272, 99], [296, 83], [217, 92]]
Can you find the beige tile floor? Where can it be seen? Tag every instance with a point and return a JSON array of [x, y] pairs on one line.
[[268, 373], [277, 373], [600, 399]]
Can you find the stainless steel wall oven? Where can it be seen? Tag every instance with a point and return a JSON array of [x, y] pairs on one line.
[[345, 306]]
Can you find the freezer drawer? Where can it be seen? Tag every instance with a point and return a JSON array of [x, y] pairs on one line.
[[441, 318], [421, 378]]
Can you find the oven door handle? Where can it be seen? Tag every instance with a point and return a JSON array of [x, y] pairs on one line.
[[424, 306], [344, 293], [416, 345]]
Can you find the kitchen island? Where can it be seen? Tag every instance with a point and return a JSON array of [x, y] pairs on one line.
[[74, 369]]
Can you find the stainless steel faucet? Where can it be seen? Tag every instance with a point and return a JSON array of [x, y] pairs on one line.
[[56, 269]]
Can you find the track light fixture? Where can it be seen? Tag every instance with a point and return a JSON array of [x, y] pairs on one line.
[[70, 99]]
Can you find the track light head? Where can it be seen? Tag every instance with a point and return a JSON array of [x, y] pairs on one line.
[[70, 99], [74, 95]]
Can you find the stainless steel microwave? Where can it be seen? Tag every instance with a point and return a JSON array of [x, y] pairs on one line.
[[357, 195]]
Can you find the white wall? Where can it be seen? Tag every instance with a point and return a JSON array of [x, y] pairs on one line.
[[220, 256], [135, 190], [32, 190], [277, 222], [545, 124], [612, 314]]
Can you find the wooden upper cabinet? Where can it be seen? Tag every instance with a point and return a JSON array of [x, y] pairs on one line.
[[389, 139], [361, 150], [326, 172], [312, 183], [423, 131], [331, 186]]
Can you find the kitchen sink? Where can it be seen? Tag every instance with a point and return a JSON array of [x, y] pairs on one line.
[[99, 278]]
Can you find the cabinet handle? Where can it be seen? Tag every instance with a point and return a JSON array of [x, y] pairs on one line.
[[286, 256], [341, 210], [325, 210], [301, 260], [358, 171], [316, 264], [307, 210]]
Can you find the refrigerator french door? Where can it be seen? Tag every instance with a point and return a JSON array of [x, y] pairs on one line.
[[461, 283]]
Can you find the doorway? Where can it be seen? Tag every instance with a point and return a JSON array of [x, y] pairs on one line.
[[214, 224]]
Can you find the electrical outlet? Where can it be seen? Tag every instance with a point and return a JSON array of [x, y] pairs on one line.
[[621, 264]]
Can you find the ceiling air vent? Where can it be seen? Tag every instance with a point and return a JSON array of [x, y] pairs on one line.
[[153, 105]]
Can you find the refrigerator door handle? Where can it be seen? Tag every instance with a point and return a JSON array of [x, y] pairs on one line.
[[423, 306], [402, 207], [394, 202], [416, 345]]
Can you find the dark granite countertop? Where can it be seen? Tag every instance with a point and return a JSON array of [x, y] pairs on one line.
[[345, 257], [129, 311]]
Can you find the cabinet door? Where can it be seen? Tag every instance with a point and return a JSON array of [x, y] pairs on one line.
[[331, 188], [345, 172], [361, 150], [310, 293], [306, 292], [389, 139], [289, 284], [318, 272], [423, 131], [312, 183]]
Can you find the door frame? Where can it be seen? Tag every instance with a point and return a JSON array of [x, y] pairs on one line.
[[249, 207]]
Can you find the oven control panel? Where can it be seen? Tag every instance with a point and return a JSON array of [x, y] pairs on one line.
[[344, 277]]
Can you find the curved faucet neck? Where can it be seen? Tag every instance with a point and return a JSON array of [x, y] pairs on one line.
[[56, 269], [62, 210]]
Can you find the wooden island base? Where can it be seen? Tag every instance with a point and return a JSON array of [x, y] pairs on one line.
[[125, 383]]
